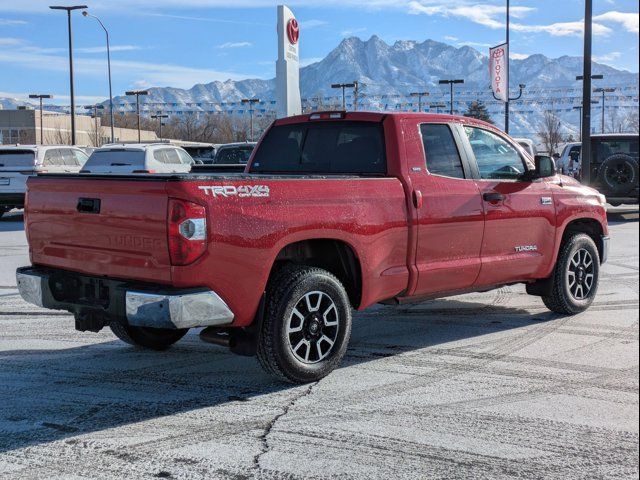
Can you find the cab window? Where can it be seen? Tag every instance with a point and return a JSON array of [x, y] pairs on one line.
[[53, 157], [440, 150], [496, 158]]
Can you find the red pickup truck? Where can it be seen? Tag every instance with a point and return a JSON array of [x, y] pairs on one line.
[[335, 211]]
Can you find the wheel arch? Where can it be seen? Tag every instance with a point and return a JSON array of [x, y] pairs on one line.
[[587, 225], [333, 255]]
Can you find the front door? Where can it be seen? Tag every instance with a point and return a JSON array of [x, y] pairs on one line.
[[449, 211], [519, 233]]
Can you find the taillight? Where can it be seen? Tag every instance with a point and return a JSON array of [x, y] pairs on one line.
[[187, 231]]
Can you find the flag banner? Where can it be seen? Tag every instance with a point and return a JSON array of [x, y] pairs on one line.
[[498, 57]]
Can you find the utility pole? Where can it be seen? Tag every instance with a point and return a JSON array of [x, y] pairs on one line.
[[160, 116], [356, 85], [344, 86], [419, 95], [579, 108], [40, 97], [73, 100], [137, 93], [251, 102], [585, 151], [450, 82], [87, 14], [603, 91], [95, 109]]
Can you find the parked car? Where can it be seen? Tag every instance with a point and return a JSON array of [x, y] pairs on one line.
[[234, 153], [335, 211], [19, 162], [569, 162], [129, 158], [202, 153], [528, 145], [614, 167]]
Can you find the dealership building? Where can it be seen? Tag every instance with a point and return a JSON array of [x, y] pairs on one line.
[[23, 126]]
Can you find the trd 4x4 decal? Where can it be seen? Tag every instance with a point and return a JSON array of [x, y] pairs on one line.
[[241, 191]]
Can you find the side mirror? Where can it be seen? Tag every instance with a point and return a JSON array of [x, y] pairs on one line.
[[545, 166]]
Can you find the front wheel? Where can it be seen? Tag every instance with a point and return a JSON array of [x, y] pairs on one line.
[[152, 338], [307, 324], [575, 278]]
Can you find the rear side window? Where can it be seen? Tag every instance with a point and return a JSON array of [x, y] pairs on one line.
[[185, 158], [17, 159], [233, 156], [53, 158], [167, 156], [441, 152], [124, 158], [327, 148]]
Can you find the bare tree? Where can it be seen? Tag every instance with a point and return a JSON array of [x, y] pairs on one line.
[[59, 136], [632, 121], [549, 131]]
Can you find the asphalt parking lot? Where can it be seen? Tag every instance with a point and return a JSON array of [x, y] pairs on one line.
[[487, 385]]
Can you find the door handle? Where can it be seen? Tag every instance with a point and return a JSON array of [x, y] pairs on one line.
[[417, 198], [493, 197]]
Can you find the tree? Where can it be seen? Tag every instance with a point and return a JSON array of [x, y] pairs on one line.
[[549, 132], [478, 110], [632, 121]]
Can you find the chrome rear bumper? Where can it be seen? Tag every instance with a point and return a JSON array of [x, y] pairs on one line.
[[151, 306]]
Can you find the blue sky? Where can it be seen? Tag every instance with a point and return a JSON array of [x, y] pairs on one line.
[[183, 42]]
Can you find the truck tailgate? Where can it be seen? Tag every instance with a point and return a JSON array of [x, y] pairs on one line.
[[106, 227]]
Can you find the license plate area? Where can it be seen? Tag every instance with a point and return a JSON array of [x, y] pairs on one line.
[[92, 292]]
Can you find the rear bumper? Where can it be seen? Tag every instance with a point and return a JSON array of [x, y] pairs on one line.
[[11, 199], [140, 305]]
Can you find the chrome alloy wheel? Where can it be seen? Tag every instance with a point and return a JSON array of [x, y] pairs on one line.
[[313, 326], [580, 274]]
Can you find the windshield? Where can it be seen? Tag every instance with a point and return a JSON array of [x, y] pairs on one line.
[[605, 148], [328, 148], [17, 159], [234, 155]]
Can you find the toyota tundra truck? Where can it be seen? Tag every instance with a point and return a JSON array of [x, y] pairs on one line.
[[335, 211]]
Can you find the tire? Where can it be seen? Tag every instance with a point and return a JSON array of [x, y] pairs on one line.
[[151, 338], [571, 291], [618, 174], [307, 309]]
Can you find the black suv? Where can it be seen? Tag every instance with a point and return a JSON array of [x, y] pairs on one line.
[[614, 167]]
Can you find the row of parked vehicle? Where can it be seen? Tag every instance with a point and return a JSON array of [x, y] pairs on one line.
[[19, 162]]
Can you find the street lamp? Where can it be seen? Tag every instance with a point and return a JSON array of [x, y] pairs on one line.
[[450, 82], [160, 116], [251, 102], [343, 86], [419, 95], [437, 106], [40, 97], [603, 91], [95, 109], [579, 108], [87, 14], [137, 93], [73, 100]]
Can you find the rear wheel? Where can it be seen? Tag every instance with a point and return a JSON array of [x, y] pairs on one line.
[[307, 324], [575, 278], [152, 338]]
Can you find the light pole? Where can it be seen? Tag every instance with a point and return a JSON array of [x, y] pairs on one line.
[[73, 100], [603, 91], [251, 102], [585, 151], [40, 97], [579, 108], [450, 82], [419, 95], [344, 86], [160, 116], [95, 109], [87, 14], [438, 106], [137, 93]]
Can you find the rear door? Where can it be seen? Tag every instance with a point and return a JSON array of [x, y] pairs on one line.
[[15, 167], [519, 227], [449, 208]]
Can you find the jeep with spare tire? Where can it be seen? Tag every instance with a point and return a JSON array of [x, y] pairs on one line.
[[614, 167]]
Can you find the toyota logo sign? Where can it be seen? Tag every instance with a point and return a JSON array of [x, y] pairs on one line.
[[293, 31]]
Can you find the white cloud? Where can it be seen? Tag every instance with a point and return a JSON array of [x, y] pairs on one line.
[[451, 38], [227, 45], [352, 31], [11, 23], [519, 56], [607, 57], [628, 20], [562, 29], [313, 23], [8, 41]]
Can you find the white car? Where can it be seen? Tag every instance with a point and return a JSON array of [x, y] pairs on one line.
[[528, 145], [19, 162], [127, 158], [569, 161]]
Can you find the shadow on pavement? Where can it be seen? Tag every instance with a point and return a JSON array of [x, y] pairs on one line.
[[53, 394], [619, 216]]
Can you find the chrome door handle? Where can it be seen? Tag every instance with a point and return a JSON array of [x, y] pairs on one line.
[[493, 197]]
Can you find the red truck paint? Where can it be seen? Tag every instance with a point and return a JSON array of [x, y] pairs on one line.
[[415, 235]]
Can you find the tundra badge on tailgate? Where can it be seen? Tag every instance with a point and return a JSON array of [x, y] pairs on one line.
[[241, 191]]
